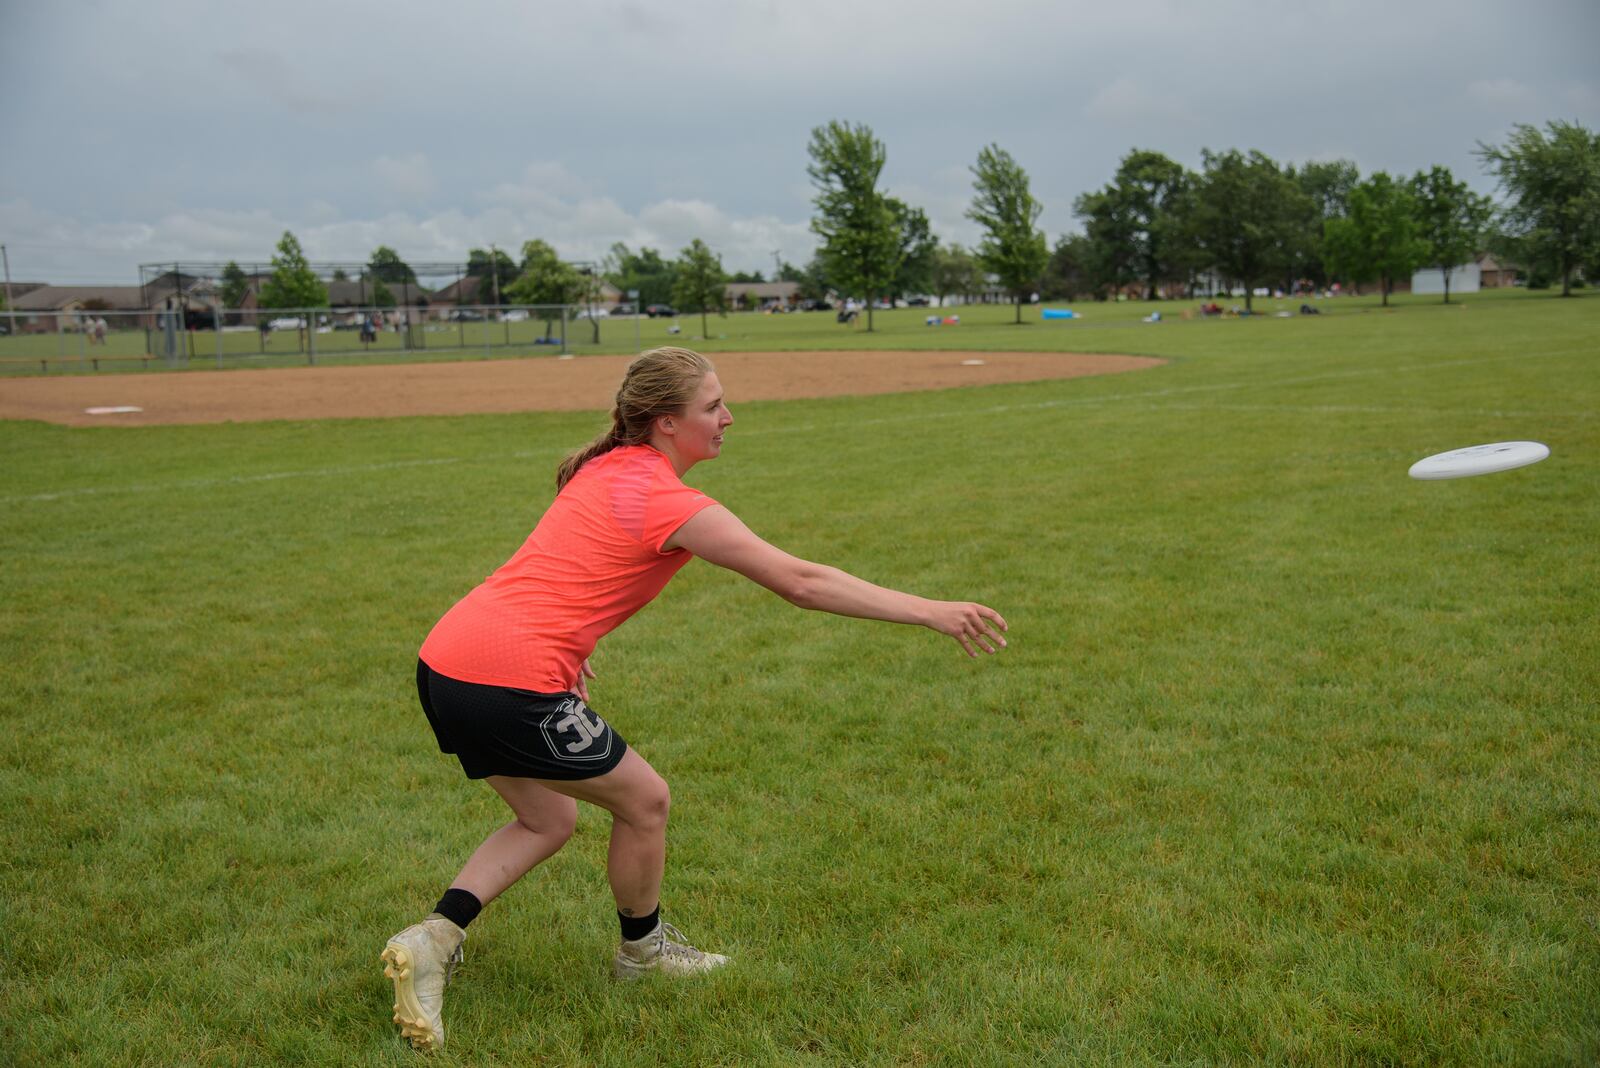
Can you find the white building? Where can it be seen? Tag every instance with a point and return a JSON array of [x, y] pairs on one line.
[[1463, 279]]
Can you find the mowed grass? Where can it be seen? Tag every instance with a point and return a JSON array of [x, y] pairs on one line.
[[1291, 759]]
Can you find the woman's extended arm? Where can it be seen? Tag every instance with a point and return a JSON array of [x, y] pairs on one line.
[[717, 535]]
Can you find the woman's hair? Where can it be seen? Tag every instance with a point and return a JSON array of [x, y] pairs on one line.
[[659, 382]]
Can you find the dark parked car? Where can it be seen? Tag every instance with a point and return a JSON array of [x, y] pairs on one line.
[[815, 305], [917, 302], [657, 311], [466, 315]]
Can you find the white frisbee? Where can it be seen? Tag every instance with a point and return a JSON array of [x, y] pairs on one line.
[[1480, 460]]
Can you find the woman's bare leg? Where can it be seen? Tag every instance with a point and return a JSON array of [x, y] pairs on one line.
[[545, 820], [638, 800]]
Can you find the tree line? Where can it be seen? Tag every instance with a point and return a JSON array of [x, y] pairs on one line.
[[1156, 229], [1243, 220]]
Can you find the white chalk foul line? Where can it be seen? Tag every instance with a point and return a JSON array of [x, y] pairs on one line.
[[230, 480]]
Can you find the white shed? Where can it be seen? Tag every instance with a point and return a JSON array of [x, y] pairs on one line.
[[1463, 279]]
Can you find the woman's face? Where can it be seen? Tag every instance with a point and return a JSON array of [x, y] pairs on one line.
[[698, 430]]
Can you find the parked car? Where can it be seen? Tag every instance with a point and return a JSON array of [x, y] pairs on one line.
[[515, 315], [288, 323], [595, 313], [623, 309], [917, 302], [815, 305], [466, 315], [658, 311]]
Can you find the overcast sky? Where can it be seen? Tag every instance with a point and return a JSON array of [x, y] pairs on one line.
[[171, 129]]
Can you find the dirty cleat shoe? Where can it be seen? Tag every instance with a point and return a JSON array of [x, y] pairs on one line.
[[421, 959], [663, 950]]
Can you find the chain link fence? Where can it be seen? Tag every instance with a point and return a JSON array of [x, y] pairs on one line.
[[89, 341]]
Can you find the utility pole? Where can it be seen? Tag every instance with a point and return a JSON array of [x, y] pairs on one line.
[[777, 265], [494, 282], [11, 309]]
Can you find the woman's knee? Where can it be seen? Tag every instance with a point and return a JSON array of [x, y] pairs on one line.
[[647, 805], [557, 821]]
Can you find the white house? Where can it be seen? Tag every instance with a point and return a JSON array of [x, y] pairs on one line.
[[1463, 279]]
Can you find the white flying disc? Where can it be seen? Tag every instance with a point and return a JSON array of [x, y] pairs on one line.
[[1480, 460]]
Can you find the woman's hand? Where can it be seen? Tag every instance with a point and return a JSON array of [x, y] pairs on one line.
[[585, 673], [971, 625]]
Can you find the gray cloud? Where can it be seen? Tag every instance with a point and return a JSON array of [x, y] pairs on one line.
[[357, 124]]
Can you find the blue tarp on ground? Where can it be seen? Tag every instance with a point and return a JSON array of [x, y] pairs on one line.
[[1057, 313]]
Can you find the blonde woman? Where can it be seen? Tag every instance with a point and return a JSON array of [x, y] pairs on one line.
[[503, 676]]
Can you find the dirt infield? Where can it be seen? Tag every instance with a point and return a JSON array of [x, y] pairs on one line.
[[535, 384]]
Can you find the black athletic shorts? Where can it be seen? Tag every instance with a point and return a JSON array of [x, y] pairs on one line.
[[496, 730]]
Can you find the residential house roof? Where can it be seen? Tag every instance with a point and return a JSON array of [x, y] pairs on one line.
[[54, 298], [762, 290]]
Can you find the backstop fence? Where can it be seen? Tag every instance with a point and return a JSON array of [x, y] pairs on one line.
[[91, 340]]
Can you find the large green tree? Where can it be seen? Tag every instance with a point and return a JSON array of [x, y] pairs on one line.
[[1110, 245], [1450, 219], [814, 283], [860, 234], [701, 284], [645, 271], [235, 285], [1248, 219], [917, 246], [1553, 180], [955, 271], [293, 283], [544, 280], [1377, 240], [1328, 184], [492, 273], [1067, 274], [386, 267], [1013, 247], [1135, 223]]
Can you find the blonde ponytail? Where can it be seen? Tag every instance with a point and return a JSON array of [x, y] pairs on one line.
[[659, 382]]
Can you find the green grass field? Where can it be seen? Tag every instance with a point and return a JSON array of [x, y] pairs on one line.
[[1292, 760]]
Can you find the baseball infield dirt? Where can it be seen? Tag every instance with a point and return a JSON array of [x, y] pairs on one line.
[[536, 384]]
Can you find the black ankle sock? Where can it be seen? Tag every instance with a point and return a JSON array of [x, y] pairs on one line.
[[636, 927], [459, 906]]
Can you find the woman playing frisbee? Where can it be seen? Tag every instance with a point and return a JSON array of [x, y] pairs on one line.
[[503, 676]]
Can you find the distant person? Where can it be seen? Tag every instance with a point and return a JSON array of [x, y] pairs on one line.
[[503, 676], [100, 330]]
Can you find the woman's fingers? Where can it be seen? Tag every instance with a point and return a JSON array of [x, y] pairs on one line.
[[972, 629]]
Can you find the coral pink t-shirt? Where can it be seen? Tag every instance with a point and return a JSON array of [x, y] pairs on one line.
[[594, 560]]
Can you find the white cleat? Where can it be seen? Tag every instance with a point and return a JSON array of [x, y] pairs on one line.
[[663, 950], [421, 959]]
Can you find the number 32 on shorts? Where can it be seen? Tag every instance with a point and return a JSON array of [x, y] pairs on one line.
[[574, 732]]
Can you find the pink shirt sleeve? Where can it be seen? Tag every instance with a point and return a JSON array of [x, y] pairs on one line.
[[671, 505]]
